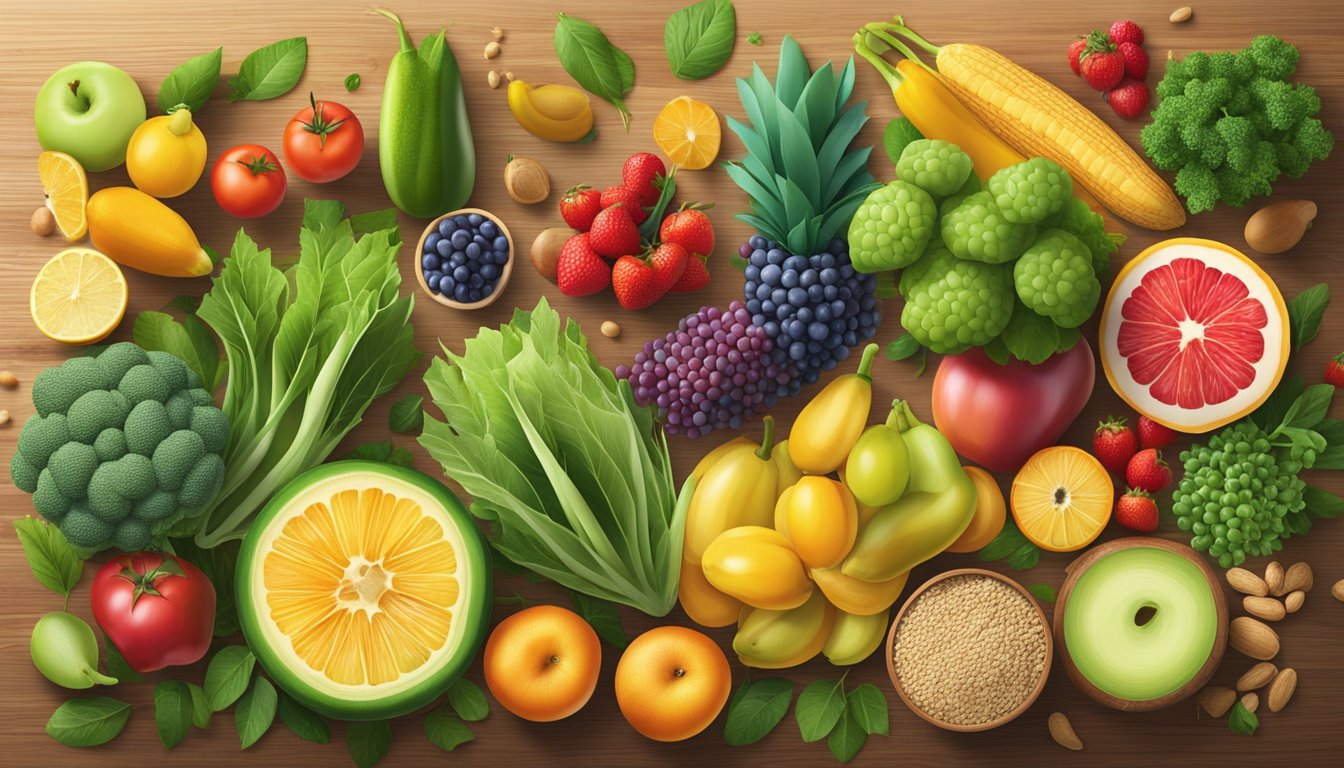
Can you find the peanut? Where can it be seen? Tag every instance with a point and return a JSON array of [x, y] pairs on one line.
[[43, 222], [492, 50], [610, 329], [8, 379]]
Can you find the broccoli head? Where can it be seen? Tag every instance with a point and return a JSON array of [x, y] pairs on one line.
[[123, 446], [952, 305], [935, 166], [977, 230], [1031, 190], [1055, 278], [892, 227]]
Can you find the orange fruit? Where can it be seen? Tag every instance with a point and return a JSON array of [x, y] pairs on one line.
[[67, 190], [78, 297], [1062, 498], [990, 513], [672, 682], [688, 133], [542, 663]]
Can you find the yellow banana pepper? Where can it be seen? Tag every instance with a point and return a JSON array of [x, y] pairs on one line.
[[737, 489], [829, 426]]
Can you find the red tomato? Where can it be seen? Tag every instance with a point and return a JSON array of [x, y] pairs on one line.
[[159, 611], [248, 181], [323, 142]]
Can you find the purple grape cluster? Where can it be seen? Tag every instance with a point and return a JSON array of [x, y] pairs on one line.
[[714, 371]]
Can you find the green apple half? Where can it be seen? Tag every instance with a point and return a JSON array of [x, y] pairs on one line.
[[89, 110], [1140, 623]]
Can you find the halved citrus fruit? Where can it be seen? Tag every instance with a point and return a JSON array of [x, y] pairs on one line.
[[364, 589], [67, 190], [688, 133], [1194, 335], [1062, 498], [78, 297]]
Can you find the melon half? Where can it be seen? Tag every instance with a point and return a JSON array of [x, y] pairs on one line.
[[1194, 335]]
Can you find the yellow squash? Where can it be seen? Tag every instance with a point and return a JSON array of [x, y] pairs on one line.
[[830, 424], [851, 595], [137, 231], [166, 155], [706, 605], [737, 489], [552, 112], [757, 566], [768, 639]]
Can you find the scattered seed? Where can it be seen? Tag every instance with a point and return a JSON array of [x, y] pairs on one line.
[[43, 222], [4, 417], [610, 329], [1257, 677], [1061, 730], [492, 50], [508, 76], [1293, 601], [492, 77], [8, 379], [1216, 700], [498, 33], [1180, 15]]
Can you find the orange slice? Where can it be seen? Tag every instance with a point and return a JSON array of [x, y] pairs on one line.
[[1062, 498], [688, 133], [67, 190], [78, 297]]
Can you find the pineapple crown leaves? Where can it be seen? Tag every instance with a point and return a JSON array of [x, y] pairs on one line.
[[803, 184]]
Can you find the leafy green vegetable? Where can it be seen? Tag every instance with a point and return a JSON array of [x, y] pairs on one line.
[[172, 712], [255, 712], [270, 71], [1322, 503], [468, 700], [50, 557], [755, 709], [820, 706], [368, 742], [352, 82], [868, 705], [384, 452], [88, 722], [1022, 555], [1242, 720], [602, 617], [200, 706], [847, 738], [1043, 592], [227, 676], [374, 221], [218, 566], [445, 731], [699, 38], [191, 82], [590, 58], [899, 134], [407, 414], [572, 475], [117, 666], [189, 340], [1305, 312], [305, 723]]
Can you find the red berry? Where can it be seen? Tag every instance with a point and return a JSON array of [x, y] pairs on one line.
[[696, 275], [1136, 60], [613, 234], [1129, 99], [626, 197], [1126, 31], [635, 283], [1137, 510], [1148, 472], [1334, 371], [1114, 444], [1075, 50], [578, 207], [669, 262], [1154, 435], [690, 229], [1101, 65], [639, 173], [580, 271]]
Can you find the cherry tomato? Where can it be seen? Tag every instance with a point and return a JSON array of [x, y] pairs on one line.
[[323, 142], [158, 610], [248, 181]]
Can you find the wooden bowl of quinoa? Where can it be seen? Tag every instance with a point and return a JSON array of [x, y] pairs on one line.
[[969, 650]]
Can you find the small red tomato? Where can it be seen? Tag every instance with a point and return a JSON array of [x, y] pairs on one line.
[[158, 610], [323, 142], [248, 181]]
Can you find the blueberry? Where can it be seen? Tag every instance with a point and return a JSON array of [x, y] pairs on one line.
[[489, 229], [795, 262], [444, 248], [771, 328], [473, 251], [501, 257], [447, 227], [808, 278], [813, 348], [826, 261], [752, 272], [797, 350], [818, 331], [476, 281], [797, 296], [447, 283], [823, 312], [816, 293], [762, 291], [460, 239], [461, 274], [805, 315], [757, 258], [754, 306], [489, 271], [830, 293], [789, 279], [771, 273], [458, 259], [829, 276], [462, 221], [851, 338], [432, 280], [837, 307], [460, 292], [475, 219], [795, 328], [431, 240], [767, 306], [775, 256], [474, 294], [481, 241], [784, 312], [781, 296], [500, 244], [430, 261]]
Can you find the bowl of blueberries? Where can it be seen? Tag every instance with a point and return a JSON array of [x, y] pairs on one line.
[[466, 257]]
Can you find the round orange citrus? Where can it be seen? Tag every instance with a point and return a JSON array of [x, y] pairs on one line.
[[672, 682], [542, 663]]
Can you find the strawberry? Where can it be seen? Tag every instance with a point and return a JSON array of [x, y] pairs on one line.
[[638, 174], [580, 271], [628, 198], [1114, 445], [1137, 511], [1129, 100], [1136, 60], [690, 228], [1154, 435], [578, 207], [613, 234], [669, 264], [1100, 64], [1076, 50], [1148, 472], [635, 282], [1126, 31], [696, 275], [1334, 371]]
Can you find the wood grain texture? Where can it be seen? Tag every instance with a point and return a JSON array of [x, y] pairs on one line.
[[149, 37]]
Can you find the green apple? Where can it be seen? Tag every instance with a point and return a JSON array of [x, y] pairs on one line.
[[89, 111]]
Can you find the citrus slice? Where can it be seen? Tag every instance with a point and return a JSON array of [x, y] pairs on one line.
[[67, 190], [78, 297], [1194, 335], [364, 589], [1062, 498], [688, 133]]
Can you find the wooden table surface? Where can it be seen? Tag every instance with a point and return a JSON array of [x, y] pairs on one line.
[[148, 38]]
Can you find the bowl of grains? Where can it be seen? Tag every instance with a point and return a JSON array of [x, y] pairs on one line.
[[969, 650]]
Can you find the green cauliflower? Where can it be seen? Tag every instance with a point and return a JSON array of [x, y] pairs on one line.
[[1079, 220], [1031, 190], [123, 446], [935, 166], [952, 305], [891, 228], [951, 202], [977, 230], [1055, 278]]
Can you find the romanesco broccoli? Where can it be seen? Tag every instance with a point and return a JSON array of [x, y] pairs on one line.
[[977, 230], [1031, 190], [892, 227], [953, 305], [1055, 278], [935, 166]]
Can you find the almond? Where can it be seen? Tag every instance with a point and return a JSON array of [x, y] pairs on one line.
[[1292, 602], [1281, 689], [1251, 702], [8, 379], [1181, 15], [1338, 590], [1061, 730], [1257, 677], [1246, 582], [1266, 608], [1299, 576], [1253, 638], [1216, 700], [1274, 577]]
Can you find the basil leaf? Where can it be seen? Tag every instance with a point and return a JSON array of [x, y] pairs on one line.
[[819, 708], [200, 706], [374, 221], [589, 57], [1242, 720], [88, 722], [1043, 592], [699, 38], [255, 712], [305, 723], [1021, 554], [468, 700], [50, 557], [407, 415], [1322, 503], [352, 81], [603, 618], [1030, 337], [172, 712], [1333, 455], [228, 675], [868, 705], [117, 666], [191, 82], [1270, 415], [270, 71], [368, 742], [847, 738], [755, 709], [898, 134], [902, 347], [445, 731], [1305, 312], [1310, 408]]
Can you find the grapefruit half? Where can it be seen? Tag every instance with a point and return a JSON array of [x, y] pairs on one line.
[[1194, 335]]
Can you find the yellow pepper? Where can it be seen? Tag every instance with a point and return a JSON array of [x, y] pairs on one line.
[[822, 521], [736, 489], [758, 566], [829, 426]]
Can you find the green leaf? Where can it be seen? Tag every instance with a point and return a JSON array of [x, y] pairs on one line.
[[88, 722], [189, 340], [1021, 554], [589, 57], [1270, 415], [384, 452], [997, 350], [255, 712], [847, 738], [868, 705], [756, 709], [1030, 337], [1310, 408], [116, 664], [819, 708], [374, 221], [270, 71], [1043, 592], [898, 134], [1305, 312], [50, 557], [191, 82], [305, 723], [468, 700], [1333, 455], [368, 742], [755, 38], [902, 347], [1322, 503], [407, 414], [172, 712], [699, 38], [603, 618], [228, 674], [1242, 720], [200, 706], [352, 82], [445, 731]]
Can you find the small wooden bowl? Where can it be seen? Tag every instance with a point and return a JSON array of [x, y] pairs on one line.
[[1079, 566], [504, 273], [1035, 693]]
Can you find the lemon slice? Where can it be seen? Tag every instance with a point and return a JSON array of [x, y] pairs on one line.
[[688, 133], [1062, 498], [67, 190], [79, 297]]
